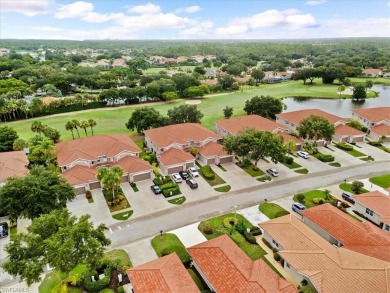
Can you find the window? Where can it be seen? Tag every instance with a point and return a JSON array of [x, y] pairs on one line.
[[387, 227], [287, 265], [275, 243], [369, 212]]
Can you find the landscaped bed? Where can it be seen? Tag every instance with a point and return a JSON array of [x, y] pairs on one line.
[[335, 164], [123, 216], [272, 210], [349, 149], [119, 202], [225, 188], [301, 171], [168, 243], [382, 180], [293, 165], [210, 176], [312, 198], [252, 170], [178, 201], [347, 187]]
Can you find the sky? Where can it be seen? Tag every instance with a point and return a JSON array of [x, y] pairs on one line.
[[182, 19]]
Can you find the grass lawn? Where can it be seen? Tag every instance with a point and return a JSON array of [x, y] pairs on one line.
[[335, 164], [119, 254], [254, 173], [302, 171], [367, 159], [177, 201], [309, 196], [198, 281], [12, 232], [375, 80], [169, 243], [106, 291], [347, 187], [216, 181], [123, 216], [112, 120], [134, 187], [225, 188], [139, 141], [382, 180], [272, 210], [354, 152], [294, 165]]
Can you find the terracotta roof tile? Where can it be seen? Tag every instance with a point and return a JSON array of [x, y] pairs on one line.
[[90, 148], [376, 201], [164, 275], [229, 269], [287, 137], [381, 129], [79, 175], [131, 164], [343, 129], [213, 149], [374, 114], [357, 236], [234, 125], [372, 71], [296, 116], [13, 164], [179, 133], [175, 156]]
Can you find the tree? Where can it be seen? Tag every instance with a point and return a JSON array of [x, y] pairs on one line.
[[110, 177], [76, 124], [305, 74], [57, 239], [69, 126], [316, 127], [341, 88], [226, 81], [7, 138], [184, 81], [169, 96], [19, 144], [265, 106], [146, 118], [228, 112], [43, 153], [331, 73], [185, 114], [200, 70], [290, 146], [84, 125], [92, 123], [256, 145], [369, 84], [359, 92], [52, 133], [37, 193], [257, 75], [38, 127], [357, 186]]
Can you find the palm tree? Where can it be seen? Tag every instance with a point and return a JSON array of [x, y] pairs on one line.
[[91, 123], [290, 146], [110, 177], [84, 125], [38, 126], [76, 123], [341, 88], [69, 126]]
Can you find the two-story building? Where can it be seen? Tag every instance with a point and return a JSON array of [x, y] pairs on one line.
[[372, 72], [79, 159], [377, 120]]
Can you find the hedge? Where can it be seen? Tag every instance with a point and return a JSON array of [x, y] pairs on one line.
[[175, 191], [375, 143], [325, 158], [168, 185], [289, 160], [344, 146], [98, 285], [226, 222], [249, 237], [256, 231], [207, 172]]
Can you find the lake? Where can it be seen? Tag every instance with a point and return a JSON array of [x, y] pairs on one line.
[[341, 107]]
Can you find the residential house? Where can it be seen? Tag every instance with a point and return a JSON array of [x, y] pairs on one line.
[[210, 73], [386, 75], [272, 79], [285, 76], [226, 268], [172, 143], [163, 275], [377, 120], [242, 80], [328, 268], [119, 63], [233, 126], [12, 164], [343, 132], [198, 58], [103, 63], [181, 59], [341, 230], [371, 72], [375, 206], [79, 160]]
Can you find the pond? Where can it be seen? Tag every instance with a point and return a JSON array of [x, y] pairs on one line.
[[340, 107]]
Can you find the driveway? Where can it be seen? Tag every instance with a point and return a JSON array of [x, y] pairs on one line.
[[313, 164], [203, 191], [286, 203], [342, 157], [235, 176], [369, 150], [253, 215], [141, 251], [284, 172], [189, 235]]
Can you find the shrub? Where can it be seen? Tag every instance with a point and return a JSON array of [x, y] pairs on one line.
[[240, 227], [157, 181], [229, 222], [304, 282], [249, 237], [132, 184], [267, 243], [344, 146], [316, 200], [281, 214], [375, 143], [120, 289], [364, 129], [98, 285], [387, 150], [171, 191], [255, 231], [207, 172], [345, 205], [325, 158], [301, 197], [289, 160], [276, 256], [356, 186], [207, 229], [168, 185], [156, 171]]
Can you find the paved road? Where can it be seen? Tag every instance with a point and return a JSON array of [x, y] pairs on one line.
[[132, 230]]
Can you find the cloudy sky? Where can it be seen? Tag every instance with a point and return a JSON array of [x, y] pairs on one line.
[[212, 19]]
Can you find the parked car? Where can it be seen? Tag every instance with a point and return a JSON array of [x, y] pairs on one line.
[[298, 207], [156, 189], [3, 229], [176, 178], [184, 175], [303, 154], [192, 183], [193, 172], [273, 172], [348, 197]]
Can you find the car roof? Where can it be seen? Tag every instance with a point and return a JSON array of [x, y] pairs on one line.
[[298, 204]]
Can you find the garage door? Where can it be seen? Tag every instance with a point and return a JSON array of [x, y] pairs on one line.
[[141, 177], [174, 169], [80, 190], [125, 178], [358, 139], [94, 185], [226, 160], [210, 161], [190, 165]]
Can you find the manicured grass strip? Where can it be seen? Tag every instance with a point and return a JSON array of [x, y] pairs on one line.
[[90, 200], [177, 201], [169, 243], [272, 210], [198, 281], [382, 180], [302, 171], [12, 232], [367, 159], [119, 254], [335, 164], [310, 195], [134, 186], [221, 167], [123, 216], [216, 181], [225, 188], [264, 178], [294, 165], [252, 171], [347, 187], [353, 152]]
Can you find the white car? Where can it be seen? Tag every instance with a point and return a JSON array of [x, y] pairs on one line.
[[303, 154], [193, 172], [273, 172], [176, 178]]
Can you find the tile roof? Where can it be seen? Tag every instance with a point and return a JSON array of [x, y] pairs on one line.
[[213, 149], [381, 129], [343, 129], [330, 269], [372, 71], [13, 164], [287, 137], [234, 125], [163, 275], [296, 116], [175, 156], [374, 114], [376, 201], [79, 175], [90, 148], [180, 134], [229, 269], [361, 237]]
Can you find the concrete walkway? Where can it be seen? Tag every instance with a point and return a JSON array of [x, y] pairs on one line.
[[140, 252], [189, 235], [253, 215]]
